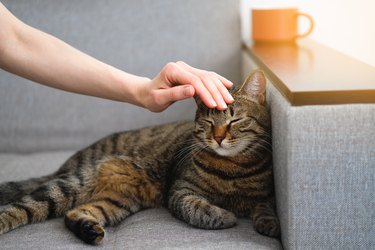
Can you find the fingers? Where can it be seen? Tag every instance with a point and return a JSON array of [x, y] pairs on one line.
[[178, 81], [175, 74], [214, 83], [225, 81]]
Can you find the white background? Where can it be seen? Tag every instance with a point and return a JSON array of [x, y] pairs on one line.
[[346, 25]]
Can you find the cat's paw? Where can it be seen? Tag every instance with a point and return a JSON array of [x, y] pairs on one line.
[[221, 219], [92, 232], [228, 219], [268, 225], [88, 229]]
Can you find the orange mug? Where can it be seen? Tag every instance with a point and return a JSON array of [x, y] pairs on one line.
[[278, 25]]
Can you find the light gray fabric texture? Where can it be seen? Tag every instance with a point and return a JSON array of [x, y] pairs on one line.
[[138, 36], [148, 229], [324, 165]]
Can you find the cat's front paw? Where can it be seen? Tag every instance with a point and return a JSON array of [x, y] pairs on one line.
[[219, 219], [228, 219], [268, 225]]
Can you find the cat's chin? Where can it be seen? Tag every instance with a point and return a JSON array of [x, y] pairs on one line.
[[232, 151]]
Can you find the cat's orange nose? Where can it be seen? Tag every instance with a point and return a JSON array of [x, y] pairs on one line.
[[219, 133], [219, 139]]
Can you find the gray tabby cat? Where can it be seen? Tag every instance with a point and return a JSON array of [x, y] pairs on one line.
[[206, 173]]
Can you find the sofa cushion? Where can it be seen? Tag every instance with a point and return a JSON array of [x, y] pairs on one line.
[[148, 229]]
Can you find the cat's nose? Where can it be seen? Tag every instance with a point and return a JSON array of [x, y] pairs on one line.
[[219, 139], [219, 133]]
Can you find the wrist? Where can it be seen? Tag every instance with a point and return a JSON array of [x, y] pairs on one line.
[[140, 91], [127, 87]]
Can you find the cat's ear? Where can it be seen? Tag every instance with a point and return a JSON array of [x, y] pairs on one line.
[[254, 87], [198, 101]]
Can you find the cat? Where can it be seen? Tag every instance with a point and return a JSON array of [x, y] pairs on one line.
[[206, 173]]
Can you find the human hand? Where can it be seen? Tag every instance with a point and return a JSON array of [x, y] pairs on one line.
[[178, 81]]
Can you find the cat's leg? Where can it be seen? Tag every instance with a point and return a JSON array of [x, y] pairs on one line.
[[51, 199], [192, 208], [88, 221], [265, 219], [121, 189]]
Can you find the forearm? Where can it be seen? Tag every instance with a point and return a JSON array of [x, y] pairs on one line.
[[42, 58], [45, 59]]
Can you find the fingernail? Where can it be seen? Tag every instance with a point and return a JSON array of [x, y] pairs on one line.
[[230, 98], [223, 104], [213, 103], [188, 91]]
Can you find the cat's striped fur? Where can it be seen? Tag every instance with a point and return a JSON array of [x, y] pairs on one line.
[[206, 173]]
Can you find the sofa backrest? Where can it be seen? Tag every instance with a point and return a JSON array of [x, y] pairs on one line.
[[138, 36]]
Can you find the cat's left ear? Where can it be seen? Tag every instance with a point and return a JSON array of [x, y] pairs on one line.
[[254, 87], [198, 101]]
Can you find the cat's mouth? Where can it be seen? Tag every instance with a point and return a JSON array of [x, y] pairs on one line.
[[226, 148]]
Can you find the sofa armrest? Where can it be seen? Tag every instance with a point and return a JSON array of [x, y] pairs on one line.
[[324, 166]]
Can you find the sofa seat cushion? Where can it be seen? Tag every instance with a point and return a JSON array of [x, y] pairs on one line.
[[148, 229]]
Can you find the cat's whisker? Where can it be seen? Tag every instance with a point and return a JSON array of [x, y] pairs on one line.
[[186, 149], [183, 151], [261, 142], [188, 141], [190, 151], [248, 144], [252, 151], [266, 148]]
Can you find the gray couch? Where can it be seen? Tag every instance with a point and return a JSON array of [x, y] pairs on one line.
[[41, 127], [324, 156]]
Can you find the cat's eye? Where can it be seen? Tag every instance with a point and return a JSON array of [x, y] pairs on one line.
[[209, 122], [234, 121]]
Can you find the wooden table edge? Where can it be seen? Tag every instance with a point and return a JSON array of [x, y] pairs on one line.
[[310, 98]]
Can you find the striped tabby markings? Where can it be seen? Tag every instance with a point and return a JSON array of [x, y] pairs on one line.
[[120, 191], [50, 200], [265, 220], [229, 178], [198, 212], [22, 213], [13, 217], [220, 164], [120, 175]]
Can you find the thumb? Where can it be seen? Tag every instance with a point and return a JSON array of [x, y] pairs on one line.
[[177, 93]]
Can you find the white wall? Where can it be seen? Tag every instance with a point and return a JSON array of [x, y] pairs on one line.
[[346, 25]]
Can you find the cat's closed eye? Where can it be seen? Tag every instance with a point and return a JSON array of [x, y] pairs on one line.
[[208, 122], [235, 121], [248, 126]]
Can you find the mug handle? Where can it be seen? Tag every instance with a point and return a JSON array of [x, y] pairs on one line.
[[311, 25]]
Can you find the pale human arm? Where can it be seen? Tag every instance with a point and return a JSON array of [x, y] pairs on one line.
[[45, 59]]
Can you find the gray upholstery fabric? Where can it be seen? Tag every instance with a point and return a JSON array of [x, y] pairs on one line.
[[148, 229], [324, 166], [138, 36]]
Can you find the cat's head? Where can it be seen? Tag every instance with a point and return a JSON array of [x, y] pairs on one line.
[[245, 121]]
